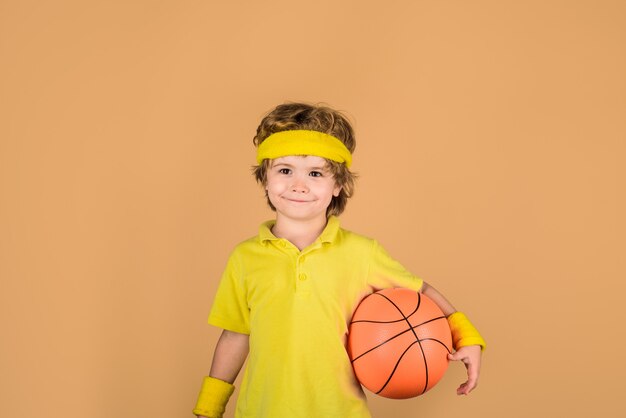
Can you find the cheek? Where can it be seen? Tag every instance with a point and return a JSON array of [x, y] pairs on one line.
[[331, 191], [272, 194], [274, 186]]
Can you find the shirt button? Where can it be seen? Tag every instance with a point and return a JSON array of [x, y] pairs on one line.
[[302, 277]]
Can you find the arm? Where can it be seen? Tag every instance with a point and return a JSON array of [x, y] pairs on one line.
[[470, 355], [438, 298], [230, 354]]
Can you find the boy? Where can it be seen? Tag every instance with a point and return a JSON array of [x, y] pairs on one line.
[[287, 295]]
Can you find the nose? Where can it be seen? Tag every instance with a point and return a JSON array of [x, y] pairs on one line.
[[299, 185]]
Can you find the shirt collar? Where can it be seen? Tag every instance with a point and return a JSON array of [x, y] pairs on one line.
[[329, 234]]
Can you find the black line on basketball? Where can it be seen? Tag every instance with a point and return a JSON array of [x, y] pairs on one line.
[[377, 322], [388, 322], [425, 367], [396, 366], [411, 328], [419, 301], [379, 345], [396, 336], [430, 320], [424, 354], [438, 341], [404, 318]]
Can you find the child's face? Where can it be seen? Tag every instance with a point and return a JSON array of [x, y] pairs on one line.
[[300, 187]]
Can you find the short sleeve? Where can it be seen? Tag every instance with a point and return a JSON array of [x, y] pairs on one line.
[[385, 272], [230, 307]]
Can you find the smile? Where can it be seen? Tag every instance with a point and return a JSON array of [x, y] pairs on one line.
[[298, 200]]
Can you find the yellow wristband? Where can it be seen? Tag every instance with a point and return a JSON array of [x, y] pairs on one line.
[[463, 332], [213, 397]]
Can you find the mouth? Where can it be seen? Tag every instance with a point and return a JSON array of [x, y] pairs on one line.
[[297, 200]]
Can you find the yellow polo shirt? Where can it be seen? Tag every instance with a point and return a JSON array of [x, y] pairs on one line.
[[296, 307]]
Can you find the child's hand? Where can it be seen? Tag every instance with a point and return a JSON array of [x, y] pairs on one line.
[[470, 356]]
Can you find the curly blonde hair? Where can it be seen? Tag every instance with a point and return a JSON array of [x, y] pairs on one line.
[[321, 118]]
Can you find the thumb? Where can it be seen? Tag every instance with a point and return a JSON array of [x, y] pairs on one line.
[[455, 356]]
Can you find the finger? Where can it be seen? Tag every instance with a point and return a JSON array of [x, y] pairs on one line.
[[462, 390], [472, 377], [470, 385]]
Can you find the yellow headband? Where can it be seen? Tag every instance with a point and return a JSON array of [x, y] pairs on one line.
[[303, 142]]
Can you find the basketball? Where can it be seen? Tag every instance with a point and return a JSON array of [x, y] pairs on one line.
[[398, 342]]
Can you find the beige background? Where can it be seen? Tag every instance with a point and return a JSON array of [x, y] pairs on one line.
[[491, 145]]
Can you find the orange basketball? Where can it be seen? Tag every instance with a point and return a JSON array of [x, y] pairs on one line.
[[398, 343]]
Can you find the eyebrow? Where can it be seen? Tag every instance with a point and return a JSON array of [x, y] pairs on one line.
[[292, 166]]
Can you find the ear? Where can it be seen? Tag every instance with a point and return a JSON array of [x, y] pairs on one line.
[[337, 190]]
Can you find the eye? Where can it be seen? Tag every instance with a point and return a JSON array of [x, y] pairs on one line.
[[315, 174], [284, 171]]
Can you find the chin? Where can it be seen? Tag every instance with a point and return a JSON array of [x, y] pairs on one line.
[[301, 216]]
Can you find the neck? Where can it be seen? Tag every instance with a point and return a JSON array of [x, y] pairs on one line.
[[300, 233]]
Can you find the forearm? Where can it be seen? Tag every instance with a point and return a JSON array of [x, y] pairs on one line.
[[466, 340], [463, 332], [445, 306], [230, 354]]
